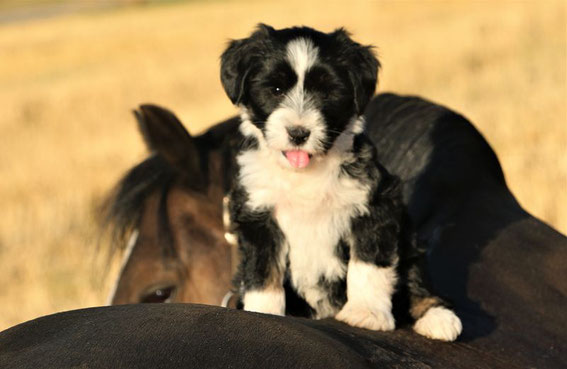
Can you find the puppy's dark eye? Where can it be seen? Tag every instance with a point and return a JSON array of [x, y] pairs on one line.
[[277, 91], [158, 295]]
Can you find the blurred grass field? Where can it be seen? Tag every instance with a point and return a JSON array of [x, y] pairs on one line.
[[68, 84]]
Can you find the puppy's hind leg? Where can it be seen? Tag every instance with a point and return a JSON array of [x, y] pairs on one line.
[[262, 286], [434, 319], [260, 272]]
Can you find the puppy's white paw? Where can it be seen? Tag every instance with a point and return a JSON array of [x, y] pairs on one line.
[[361, 316], [439, 323]]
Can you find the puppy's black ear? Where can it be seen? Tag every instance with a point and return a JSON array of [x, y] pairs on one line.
[[362, 66], [239, 59]]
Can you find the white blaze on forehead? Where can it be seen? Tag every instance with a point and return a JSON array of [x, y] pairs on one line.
[[301, 54], [132, 241]]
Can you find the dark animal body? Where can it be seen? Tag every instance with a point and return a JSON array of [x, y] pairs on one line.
[[503, 269]]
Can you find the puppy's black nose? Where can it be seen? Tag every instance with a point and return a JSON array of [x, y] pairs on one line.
[[297, 134]]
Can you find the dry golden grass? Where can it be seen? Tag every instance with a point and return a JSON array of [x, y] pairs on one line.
[[67, 85]]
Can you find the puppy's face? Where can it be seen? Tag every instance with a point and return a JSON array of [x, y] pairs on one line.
[[299, 88]]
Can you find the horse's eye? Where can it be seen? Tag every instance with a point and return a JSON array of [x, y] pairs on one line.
[[158, 295]]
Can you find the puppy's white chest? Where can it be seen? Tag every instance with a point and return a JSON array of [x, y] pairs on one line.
[[313, 209], [312, 234], [315, 191]]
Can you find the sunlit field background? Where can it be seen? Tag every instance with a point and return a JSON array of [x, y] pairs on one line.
[[69, 79]]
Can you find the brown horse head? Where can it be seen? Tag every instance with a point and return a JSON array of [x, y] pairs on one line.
[[170, 208]]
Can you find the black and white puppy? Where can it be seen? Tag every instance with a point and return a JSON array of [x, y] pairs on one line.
[[310, 204]]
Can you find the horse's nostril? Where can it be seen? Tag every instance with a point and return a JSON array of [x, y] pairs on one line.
[[298, 134]]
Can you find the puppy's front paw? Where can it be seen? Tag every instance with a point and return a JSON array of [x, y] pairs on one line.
[[439, 323], [361, 316]]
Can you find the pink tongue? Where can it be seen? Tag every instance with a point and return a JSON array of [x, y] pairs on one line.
[[297, 158]]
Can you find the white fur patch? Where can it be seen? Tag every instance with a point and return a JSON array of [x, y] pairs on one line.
[[127, 253], [439, 323], [369, 296], [301, 54], [247, 128], [358, 125], [267, 301]]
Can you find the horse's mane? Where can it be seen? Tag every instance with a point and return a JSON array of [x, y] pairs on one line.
[[122, 210]]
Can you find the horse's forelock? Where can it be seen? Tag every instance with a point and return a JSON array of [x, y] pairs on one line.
[[122, 210]]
